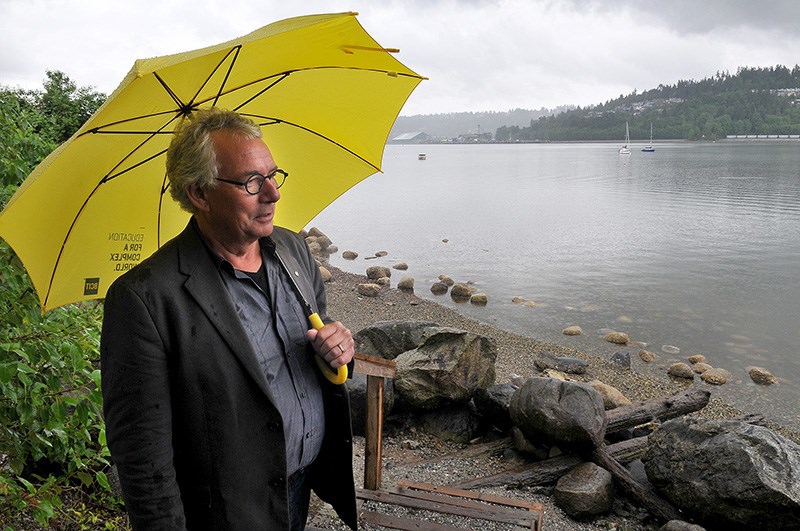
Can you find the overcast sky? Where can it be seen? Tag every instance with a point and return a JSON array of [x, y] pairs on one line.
[[480, 55]]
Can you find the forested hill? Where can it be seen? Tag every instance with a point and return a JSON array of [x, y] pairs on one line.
[[753, 101], [451, 125]]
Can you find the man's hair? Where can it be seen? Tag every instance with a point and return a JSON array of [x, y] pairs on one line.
[[191, 158]]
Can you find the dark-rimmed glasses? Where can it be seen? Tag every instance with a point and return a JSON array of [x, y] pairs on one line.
[[254, 184]]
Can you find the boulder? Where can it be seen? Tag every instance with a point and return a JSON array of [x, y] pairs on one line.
[[454, 423], [376, 272], [715, 376], [326, 274], [701, 367], [402, 266], [622, 358], [447, 368], [570, 413], [439, 288], [618, 338], [572, 331], [389, 339], [349, 255], [460, 292], [492, 403], [545, 360], [727, 474], [479, 299], [696, 358], [369, 289], [447, 281], [646, 356], [406, 284], [585, 491], [681, 370], [761, 376], [612, 397], [314, 232]]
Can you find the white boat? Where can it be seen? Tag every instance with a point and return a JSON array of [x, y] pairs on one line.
[[624, 150], [649, 147], [422, 156]]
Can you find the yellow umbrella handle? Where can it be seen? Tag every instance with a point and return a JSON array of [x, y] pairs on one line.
[[336, 377]]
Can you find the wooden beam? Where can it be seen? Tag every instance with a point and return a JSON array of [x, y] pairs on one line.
[[662, 408], [643, 494], [377, 370], [373, 433]]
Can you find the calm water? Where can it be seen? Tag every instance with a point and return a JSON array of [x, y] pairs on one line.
[[694, 247]]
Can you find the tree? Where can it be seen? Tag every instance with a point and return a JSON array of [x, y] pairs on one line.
[[52, 437], [65, 106]]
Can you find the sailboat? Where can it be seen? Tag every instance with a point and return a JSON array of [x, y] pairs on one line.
[[624, 149], [649, 147]]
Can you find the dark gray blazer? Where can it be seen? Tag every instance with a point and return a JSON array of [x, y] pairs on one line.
[[197, 441]]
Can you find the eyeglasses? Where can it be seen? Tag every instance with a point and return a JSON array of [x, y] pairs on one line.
[[254, 184]]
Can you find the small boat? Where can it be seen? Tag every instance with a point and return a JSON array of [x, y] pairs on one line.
[[624, 150], [422, 156], [649, 147]]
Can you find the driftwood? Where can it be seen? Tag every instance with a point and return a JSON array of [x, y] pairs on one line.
[[661, 409], [621, 418], [549, 470], [643, 494]]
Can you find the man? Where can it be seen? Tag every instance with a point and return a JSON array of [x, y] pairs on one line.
[[215, 415]]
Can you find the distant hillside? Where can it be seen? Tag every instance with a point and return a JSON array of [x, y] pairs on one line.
[[451, 125], [754, 101]]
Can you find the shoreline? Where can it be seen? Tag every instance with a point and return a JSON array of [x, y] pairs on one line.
[[410, 453], [516, 352]]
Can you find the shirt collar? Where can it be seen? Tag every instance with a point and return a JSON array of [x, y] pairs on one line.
[[266, 244]]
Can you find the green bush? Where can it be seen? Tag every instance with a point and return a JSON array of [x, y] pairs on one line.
[[53, 455]]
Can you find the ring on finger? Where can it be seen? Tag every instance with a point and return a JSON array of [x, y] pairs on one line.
[[341, 349]]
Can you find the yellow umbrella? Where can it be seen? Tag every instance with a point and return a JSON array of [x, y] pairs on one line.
[[324, 92]]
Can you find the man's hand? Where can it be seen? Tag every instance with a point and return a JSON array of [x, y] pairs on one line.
[[334, 343]]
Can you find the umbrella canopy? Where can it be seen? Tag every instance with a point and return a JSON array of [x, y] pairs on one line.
[[323, 91]]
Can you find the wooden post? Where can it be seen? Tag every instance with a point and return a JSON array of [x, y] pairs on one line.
[[373, 447], [376, 370]]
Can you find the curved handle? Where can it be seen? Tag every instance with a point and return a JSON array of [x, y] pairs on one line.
[[337, 377]]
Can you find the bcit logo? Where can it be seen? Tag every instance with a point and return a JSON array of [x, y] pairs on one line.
[[91, 286]]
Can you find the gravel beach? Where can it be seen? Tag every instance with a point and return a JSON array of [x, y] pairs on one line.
[[409, 453]]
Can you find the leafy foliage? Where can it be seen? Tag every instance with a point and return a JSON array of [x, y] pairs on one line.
[[745, 103], [52, 437]]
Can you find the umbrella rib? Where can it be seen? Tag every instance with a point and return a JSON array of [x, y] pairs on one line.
[[273, 121], [224, 83]]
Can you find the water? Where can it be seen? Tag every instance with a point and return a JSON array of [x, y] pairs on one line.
[[692, 249]]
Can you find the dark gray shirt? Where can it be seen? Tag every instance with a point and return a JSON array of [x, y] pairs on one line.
[[276, 325]]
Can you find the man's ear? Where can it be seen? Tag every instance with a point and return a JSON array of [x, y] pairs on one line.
[[197, 195]]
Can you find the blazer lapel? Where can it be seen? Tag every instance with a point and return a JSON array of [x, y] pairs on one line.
[[205, 286]]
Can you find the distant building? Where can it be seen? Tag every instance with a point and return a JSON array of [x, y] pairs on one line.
[[416, 137]]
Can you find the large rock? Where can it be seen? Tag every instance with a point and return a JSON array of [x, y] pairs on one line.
[[586, 490], [389, 339], [447, 368], [455, 423], [727, 474], [492, 405], [559, 412]]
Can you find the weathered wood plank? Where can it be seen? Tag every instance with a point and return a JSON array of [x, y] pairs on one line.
[[445, 505], [662, 408]]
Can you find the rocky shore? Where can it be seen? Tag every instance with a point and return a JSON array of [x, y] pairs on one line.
[[409, 453]]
